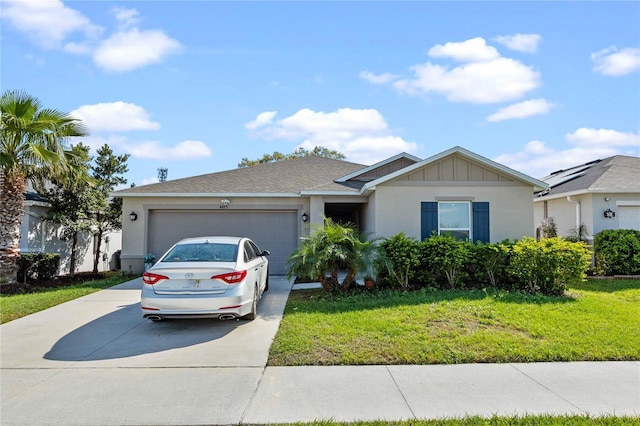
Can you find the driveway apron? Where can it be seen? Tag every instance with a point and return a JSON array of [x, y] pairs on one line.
[[95, 361]]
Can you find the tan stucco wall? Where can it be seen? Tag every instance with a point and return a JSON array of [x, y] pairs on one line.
[[592, 207], [397, 207]]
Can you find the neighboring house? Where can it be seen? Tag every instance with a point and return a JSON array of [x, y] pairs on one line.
[[601, 194], [38, 235], [455, 191]]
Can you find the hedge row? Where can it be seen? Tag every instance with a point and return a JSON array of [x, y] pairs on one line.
[[617, 251], [37, 266], [547, 266]]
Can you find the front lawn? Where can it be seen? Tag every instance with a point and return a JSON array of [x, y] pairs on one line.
[[598, 320], [494, 421], [13, 306]]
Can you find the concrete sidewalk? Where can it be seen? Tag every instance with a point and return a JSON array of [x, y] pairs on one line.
[[95, 361]]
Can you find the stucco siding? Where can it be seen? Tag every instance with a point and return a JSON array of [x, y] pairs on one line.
[[397, 208]]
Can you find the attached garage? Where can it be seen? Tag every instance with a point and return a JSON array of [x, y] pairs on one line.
[[273, 230]]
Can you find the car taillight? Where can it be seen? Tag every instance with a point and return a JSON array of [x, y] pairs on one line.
[[231, 277], [151, 278]]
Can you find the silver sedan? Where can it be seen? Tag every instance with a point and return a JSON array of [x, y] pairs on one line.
[[206, 277]]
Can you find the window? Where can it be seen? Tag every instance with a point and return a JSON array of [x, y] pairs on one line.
[[454, 218], [249, 253], [465, 220]]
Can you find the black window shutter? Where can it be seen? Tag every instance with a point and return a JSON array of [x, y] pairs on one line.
[[428, 219], [481, 222]]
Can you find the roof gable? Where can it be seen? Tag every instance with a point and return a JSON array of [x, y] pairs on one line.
[[382, 168], [457, 165]]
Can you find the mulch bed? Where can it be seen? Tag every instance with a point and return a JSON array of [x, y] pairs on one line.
[[59, 281]]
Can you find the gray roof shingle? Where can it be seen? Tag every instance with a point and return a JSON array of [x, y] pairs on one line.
[[282, 177], [619, 173]]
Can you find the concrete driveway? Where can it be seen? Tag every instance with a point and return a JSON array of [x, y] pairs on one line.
[[94, 360]]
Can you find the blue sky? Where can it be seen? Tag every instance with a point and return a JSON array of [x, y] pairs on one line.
[[196, 86]]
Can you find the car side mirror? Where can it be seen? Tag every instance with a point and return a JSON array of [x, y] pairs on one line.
[[265, 253]]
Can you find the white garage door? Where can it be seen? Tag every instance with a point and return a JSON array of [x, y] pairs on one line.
[[629, 217], [275, 231]]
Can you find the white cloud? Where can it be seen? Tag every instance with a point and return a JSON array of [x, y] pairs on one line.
[[115, 117], [185, 150], [378, 78], [483, 76], [472, 50], [611, 61], [539, 160], [50, 24], [589, 137], [499, 80], [126, 51], [522, 110], [47, 22], [148, 181], [262, 119], [527, 43], [361, 134], [126, 17]]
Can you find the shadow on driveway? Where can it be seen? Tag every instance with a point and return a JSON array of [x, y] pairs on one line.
[[123, 333]]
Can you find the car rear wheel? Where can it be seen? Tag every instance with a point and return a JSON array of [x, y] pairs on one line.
[[254, 305]]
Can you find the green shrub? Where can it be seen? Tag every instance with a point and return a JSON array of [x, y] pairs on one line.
[[402, 254], [444, 258], [488, 263], [37, 266], [549, 265], [617, 251]]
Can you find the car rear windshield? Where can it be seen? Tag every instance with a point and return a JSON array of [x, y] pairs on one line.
[[202, 252]]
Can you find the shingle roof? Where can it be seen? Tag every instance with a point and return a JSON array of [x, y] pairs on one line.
[[282, 177], [619, 173]]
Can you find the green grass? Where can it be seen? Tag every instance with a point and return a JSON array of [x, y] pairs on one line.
[[596, 320], [19, 305], [495, 421]]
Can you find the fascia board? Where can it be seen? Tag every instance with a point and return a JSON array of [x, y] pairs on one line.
[[579, 192], [205, 194]]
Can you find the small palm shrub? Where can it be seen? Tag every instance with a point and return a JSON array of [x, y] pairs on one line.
[[330, 248], [617, 251]]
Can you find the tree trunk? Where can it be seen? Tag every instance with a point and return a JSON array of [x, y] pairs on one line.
[[96, 258], [12, 187], [72, 257]]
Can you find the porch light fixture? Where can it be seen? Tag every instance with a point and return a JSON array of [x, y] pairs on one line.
[[133, 216], [609, 214], [305, 217]]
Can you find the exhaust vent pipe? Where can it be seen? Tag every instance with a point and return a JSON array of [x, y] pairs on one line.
[[155, 318], [225, 317]]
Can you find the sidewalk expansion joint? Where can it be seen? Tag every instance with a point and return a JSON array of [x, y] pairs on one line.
[[401, 393]]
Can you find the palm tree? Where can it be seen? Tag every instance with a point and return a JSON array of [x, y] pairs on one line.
[[328, 249], [33, 143]]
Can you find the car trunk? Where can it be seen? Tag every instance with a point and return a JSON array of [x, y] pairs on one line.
[[191, 278]]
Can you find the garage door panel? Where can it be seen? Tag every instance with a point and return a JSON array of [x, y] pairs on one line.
[[275, 231]]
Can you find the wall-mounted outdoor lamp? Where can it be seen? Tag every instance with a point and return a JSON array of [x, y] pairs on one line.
[[609, 214], [133, 216], [305, 217]]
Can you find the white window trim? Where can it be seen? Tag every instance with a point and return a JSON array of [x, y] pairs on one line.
[[469, 229]]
